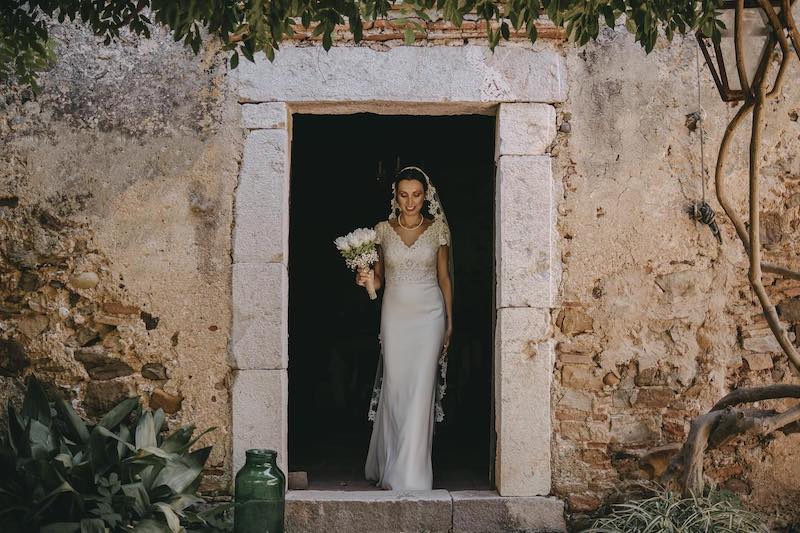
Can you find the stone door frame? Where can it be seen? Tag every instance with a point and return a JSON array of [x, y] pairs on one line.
[[517, 84]]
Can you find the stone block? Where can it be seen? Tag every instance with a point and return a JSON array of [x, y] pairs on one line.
[[758, 361], [523, 375], [575, 358], [414, 74], [572, 321], [102, 396], [316, 511], [574, 399], [575, 430], [525, 239], [488, 512], [524, 129], [260, 401], [630, 429], [583, 503], [161, 399], [762, 343], [599, 430], [652, 397], [261, 229], [269, 115], [580, 377], [789, 309], [260, 334]]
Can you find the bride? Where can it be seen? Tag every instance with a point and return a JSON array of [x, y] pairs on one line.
[[416, 325]]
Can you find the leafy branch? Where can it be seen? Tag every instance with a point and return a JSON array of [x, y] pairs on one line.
[[248, 27]]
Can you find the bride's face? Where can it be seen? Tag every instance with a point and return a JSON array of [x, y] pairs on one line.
[[410, 197]]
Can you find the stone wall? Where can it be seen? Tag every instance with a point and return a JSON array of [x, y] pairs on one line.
[[116, 189], [657, 321], [116, 194]]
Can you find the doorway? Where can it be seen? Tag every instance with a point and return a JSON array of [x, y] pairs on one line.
[[342, 167]]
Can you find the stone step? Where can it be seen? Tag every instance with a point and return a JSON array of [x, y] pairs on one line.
[[436, 511]]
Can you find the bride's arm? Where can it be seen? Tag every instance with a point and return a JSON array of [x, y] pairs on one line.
[[445, 283]]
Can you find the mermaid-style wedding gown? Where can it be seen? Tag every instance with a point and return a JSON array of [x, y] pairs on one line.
[[413, 323]]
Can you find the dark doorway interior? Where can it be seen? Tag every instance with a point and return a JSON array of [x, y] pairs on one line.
[[342, 167]]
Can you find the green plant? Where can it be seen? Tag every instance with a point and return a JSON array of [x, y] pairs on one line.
[[59, 474], [258, 26], [667, 512]]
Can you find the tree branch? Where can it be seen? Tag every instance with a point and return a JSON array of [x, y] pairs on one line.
[[738, 29], [718, 427], [780, 420], [759, 95], [794, 35], [777, 32], [779, 270], [694, 449], [757, 394], [719, 176]]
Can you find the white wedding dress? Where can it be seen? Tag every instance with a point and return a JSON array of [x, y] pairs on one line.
[[413, 323]]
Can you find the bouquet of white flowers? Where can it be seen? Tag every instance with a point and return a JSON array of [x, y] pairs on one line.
[[358, 250]]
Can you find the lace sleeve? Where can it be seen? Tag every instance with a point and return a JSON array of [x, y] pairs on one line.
[[444, 235], [378, 232]]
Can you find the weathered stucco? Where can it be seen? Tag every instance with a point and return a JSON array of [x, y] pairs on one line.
[[116, 208], [657, 320], [117, 186]]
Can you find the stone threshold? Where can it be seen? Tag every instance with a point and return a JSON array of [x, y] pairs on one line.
[[435, 511]]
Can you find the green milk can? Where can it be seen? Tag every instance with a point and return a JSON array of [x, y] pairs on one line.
[[260, 494]]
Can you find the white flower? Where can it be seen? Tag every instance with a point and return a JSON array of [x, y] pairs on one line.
[[341, 243], [358, 248]]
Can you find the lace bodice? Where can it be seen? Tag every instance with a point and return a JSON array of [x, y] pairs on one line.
[[415, 263]]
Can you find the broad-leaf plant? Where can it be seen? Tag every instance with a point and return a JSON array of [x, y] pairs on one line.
[[59, 474]]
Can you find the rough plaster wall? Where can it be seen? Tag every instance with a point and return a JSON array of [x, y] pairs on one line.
[[657, 321], [124, 167], [116, 195]]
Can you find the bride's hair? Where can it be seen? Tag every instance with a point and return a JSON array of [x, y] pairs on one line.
[[414, 174], [411, 174]]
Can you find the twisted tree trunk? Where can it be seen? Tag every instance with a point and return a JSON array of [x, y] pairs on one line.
[[726, 420]]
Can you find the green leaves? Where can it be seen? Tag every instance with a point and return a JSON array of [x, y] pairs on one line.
[[60, 474], [247, 28], [668, 512], [35, 405], [76, 429]]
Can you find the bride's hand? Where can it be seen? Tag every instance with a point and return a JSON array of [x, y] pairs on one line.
[[447, 336], [363, 275]]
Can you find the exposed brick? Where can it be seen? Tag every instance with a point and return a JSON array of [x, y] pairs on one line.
[[566, 413], [575, 358], [116, 308]]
